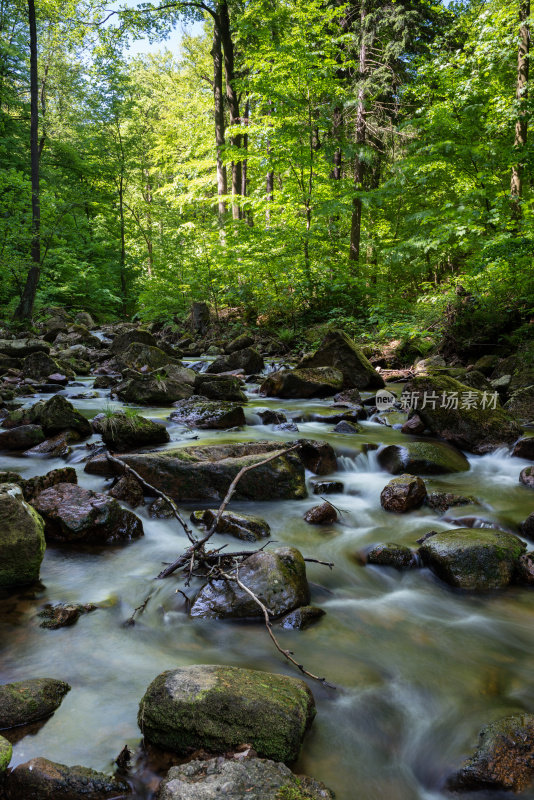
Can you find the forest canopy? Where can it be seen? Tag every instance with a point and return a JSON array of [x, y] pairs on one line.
[[358, 163]]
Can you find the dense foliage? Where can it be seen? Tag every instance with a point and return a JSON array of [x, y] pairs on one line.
[[360, 170]]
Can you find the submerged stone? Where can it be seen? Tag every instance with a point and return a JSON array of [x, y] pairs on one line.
[[27, 701], [392, 555], [41, 779]]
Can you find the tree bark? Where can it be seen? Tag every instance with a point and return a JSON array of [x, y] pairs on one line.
[[25, 307], [231, 96], [521, 125], [218, 101], [361, 130]]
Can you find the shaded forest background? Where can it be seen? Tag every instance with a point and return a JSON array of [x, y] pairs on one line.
[[367, 164]]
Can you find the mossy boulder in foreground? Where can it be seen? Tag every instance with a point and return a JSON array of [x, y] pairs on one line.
[[6, 751], [504, 759], [422, 458], [121, 430], [22, 541], [28, 701], [239, 779], [218, 708], [473, 559]]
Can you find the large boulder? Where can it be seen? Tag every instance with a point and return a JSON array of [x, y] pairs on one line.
[[305, 382], [205, 472], [57, 415], [140, 356], [474, 559], [339, 351], [40, 779], [31, 487], [248, 359], [243, 526], [220, 387], [121, 341], [239, 779], [319, 457], [239, 343], [77, 334], [20, 348], [23, 437], [39, 365], [403, 494], [521, 404], [22, 541], [74, 514], [277, 578], [163, 386], [218, 708], [27, 701], [504, 758], [473, 425], [122, 431], [198, 412], [422, 458], [524, 448]]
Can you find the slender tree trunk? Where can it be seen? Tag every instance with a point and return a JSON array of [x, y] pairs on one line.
[[521, 125], [25, 307], [124, 288], [218, 103], [359, 164], [231, 96]]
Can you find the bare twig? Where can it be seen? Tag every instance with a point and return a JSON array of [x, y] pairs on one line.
[[329, 564], [138, 610]]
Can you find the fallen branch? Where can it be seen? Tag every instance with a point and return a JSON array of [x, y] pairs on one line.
[[152, 489], [138, 610]]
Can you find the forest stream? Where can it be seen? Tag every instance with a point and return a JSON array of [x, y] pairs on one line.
[[419, 668]]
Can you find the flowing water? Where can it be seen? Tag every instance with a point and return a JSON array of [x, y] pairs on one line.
[[419, 668]]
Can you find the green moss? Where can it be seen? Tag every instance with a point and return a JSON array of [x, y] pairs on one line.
[[6, 751]]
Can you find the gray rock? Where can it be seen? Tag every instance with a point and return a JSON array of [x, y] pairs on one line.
[[392, 555], [240, 342], [239, 779], [339, 351], [40, 779], [526, 477], [57, 415], [20, 348], [248, 359], [524, 448], [28, 701], [74, 514], [219, 708], [301, 618], [403, 494], [242, 526], [422, 458], [200, 413], [22, 437], [308, 382], [121, 430], [277, 577]]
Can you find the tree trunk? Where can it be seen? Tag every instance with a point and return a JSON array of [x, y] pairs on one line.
[[521, 125], [231, 96], [25, 307], [359, 164], [124, 288], [218, 102]]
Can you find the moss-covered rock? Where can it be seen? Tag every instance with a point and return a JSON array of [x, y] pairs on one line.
[[524, 448], [23, 437], [6, 751], [248, 359], [473, 559], [219, 708], [27, 701], [40, 779], [140, 356], [239, 343], [324, 514], [39, 365], [218, 387], [22, 541], [301, 618], [57, 415], [19, 348], [526, 477], [305, 382], [160, 387], [74, 514], [277, 577], [243, 526], [205, 472], [521, 404], [504, 758], [339, 351], [123, 340], [239, 779], [121, 430], [403, 494], [392, 555], [422, 458], [441, 501], [474, 425], [198, 412]]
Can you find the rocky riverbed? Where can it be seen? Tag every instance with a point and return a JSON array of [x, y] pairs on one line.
[[425, 625]]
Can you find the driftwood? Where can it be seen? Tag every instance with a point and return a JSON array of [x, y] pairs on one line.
[[217, 564]]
